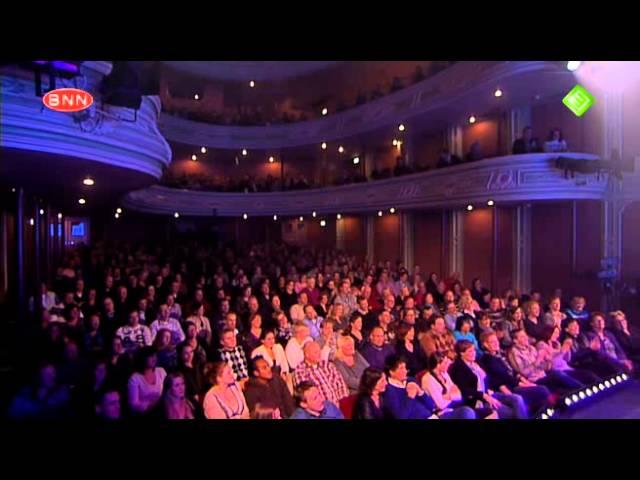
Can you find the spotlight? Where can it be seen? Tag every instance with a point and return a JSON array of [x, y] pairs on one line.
[[607, 383], [392, 210], [395, 142], [469, 207], [544, 416], [567, 401], [244, 152], [497, 93], [613, 381], [117, 215], [275, 218], [601, 386], [379, 213], [356, 160], [59, 216], [589, 392], [574, 397], [313, 214], [271, 159], [118, 210], [401, 127], [573, 65], [245, 216], [88, 181], [82, 201], [203, 150], [301, 218], [472, 119], [194, 157], [41, 212], [13, 190], [31, 222], [252, 84], [176, 215], [619, 378], [325, 111], [196, 97], [491, 203], [340, 149], [625, 376], [338, 216], [582, 395], [323, 223], [323, 146]]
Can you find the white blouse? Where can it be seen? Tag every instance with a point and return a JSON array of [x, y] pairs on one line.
[[434, 388], [280, 360]]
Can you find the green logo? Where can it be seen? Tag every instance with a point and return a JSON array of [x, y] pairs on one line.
[[579, 100]]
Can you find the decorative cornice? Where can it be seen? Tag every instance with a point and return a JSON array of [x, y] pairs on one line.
[[512, 178], [444, 88]]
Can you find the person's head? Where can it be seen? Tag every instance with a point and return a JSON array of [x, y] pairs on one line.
[[190, 330], [555, 135], [108, 404], [117, 348], [410, 316], [345, 287], [452, 309], [572, 327], [439, 325], [376, 336], [268, 338], [463, 324], [94, 322], [346, 346], [290, 286], [71, 351], [484, 321], [389, 302], [255, 321], [122, 292], [517, 314], [438, 362], [495, 304], [163, 339], [527, 133], [618, 320], [327, 327], [275, 303], [490, 342], [228, 339], [372, 381], [405, 332], [449, 296], [264, 288], [253, 304], [520, 337], [134, 318], [355, 322], [312, 352], [163, 312], [550, 333], [396, 367], [109, 306], [146, 359], [224, 307], [578, 304], [174, 386], [466, 350], [309, 397], [220, 373], [300, 331], [554, 304], [260, 369], [384, 318], [79, 285], [532, 308], [282, 320], [597, 322], [199, 295], [231, 320], [185, 354], [310, 312], [338, 310]]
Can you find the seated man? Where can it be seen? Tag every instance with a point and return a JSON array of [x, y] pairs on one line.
[[296, 343], [268, 390], [376, 350], [134, 335], [526, 144], [321, 373], [312, 320], [234, 355], [607, 344], [171, 324], [578, 311], [312, 405], [108, 406]]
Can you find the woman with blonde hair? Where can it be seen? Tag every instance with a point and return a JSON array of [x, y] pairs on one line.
[[176, 406], [349, 362], [225, 399], [532, 322]]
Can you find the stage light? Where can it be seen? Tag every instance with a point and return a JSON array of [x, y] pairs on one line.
[[323, 146], [497, 93], [392, 210], [82, 201], [194, 157], [323, 223], [607, 383], [301, 218], [59, 216], [491, 203], [88, 181], [117, 215], [469, 207], [118, 210], [574, 397], [325, 111], [582, 395], [275, 218], [567, 401], [176, 215], [196, 97], [245, 216], [313, 214], [41, 212], [619, 378], [589, 392], [203, 150], [356, 160], [379, 213], [613, 381], [625, 376], [573, 65], [401, 127], [544, 416], [472, 119], [601, 387], [338, 216], [244, 152], [341, 149], [252, 84], [31, 222], [395, 142], [13, 190], [271, 159]]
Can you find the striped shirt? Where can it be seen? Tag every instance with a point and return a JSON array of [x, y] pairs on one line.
[[325, 376]]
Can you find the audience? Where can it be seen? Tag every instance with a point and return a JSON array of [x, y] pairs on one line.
[[350, 363], [224, 400], [320, 373], [267, 389], [369, 402], [312, 404]]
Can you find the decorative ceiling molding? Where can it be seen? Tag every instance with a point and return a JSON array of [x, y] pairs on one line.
[[245, 71]]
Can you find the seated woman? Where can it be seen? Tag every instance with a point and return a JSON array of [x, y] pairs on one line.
[[502, 378], [465, 307], [558, 356], [555, 143], [273, 353], [350, 363], [463, 332], [514, 321], [628, 336], [225, 399], [408, 348], [251, 340], [166, 352], [191, 339], [471, 379], [145, 385], [584, 352], [483, 325], [328, 339], [532, 322], [355, 330], [285, 330], [192, 372], [369, 404], [175, 405], [405, 399], [44, 400], [555, 316], [203, 326], [446, 394], [526, 361], [438, 339]]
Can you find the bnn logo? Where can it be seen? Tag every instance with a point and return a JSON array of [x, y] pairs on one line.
[[67, 100]]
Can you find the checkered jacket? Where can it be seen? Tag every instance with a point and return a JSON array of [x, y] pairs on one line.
[[237, 360]]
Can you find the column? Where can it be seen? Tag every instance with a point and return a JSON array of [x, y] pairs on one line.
[[456, 243], [454, 140], [340, 244], [519, 118], [522, 249], [369, 236], [20, 283], [408, 236]]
